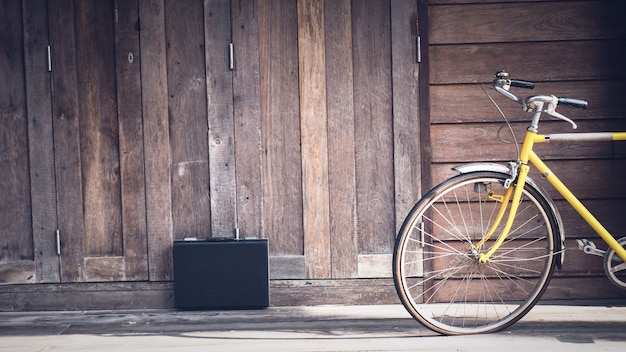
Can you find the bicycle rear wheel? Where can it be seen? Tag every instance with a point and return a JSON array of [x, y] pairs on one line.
[[438, 277]]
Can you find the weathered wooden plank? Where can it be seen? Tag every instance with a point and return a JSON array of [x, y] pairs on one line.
[[541, 61], [593, 287], [282, 172], [468, 103], [341, 148], [98, 128], [373, 126], [18, 272], [247, 118], [156, 139], [40, 141], [424, 94], [187, 107], [287, 267], [87, 296], [610, 212], [102, 269], [65, 112], [520, 22], [219, 81], [343, 292], [15, 209], [375, 266], [450, 2], [406, 118], [485, 142], [132, 175], [602, 178], [314, 135]]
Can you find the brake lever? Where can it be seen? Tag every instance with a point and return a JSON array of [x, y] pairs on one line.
[[551, 110]]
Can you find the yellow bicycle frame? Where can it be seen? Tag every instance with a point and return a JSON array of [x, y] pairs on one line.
[[528, 155]]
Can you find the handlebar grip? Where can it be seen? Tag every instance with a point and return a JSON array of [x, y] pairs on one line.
[[576, 103], [522, 84]]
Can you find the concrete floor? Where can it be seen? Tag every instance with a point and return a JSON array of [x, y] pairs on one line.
[[594, 327]]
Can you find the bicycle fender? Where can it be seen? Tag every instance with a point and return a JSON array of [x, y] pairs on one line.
[[493, 167]]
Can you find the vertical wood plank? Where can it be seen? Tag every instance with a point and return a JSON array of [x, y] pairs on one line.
[[41, 143], [341, 152], [67, 139], [247, 118], [99, 129], [406, 118], [186, 80], [424, 94], [219, 82], [131, 150], [282, 180], [15, 209], [313, 124], [156, 139], [373, 125]]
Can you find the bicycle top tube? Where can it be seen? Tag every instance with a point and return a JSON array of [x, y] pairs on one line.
[[536, 104]]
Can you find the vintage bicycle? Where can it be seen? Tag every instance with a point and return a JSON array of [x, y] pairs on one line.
[[476, 253]]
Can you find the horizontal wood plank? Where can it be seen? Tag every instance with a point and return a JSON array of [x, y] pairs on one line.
[[541, 61], [104, 269], [491, 142], [18, 272], [599, 176], [468, 103], [519, 22]]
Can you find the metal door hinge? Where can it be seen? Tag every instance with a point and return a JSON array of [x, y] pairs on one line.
[[231, 56], [49, 60], [419, 49], [58, 235], [418, 41]]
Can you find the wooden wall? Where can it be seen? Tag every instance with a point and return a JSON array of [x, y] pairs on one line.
[[141, 129], [569, 48]]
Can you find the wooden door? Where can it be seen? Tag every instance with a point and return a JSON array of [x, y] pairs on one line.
[[28, 252], [96, 109]]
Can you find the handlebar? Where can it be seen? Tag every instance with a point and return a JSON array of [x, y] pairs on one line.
[[535, 103]]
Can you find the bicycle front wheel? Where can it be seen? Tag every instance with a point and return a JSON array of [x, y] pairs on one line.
[[436, 270]]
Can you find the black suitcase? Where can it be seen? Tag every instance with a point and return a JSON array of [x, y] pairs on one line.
[[221, 273]]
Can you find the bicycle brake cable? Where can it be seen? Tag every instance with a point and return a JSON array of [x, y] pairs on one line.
[[508, 124]]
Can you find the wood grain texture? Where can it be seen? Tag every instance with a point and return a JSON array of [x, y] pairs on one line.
[[102, 269], [40, 141], [188, 124], [68, 161], [156, 139], [16, 233], [520, 22], [130, 119], [247, 118], [219, 83], [341, 145], [373, 126], [466, 103], [98, 128], [280, 126], [540, 61], [494, 142], [314, 135], [406, 106], [599, 176]]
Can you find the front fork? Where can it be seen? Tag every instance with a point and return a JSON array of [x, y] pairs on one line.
[[521, 170]]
